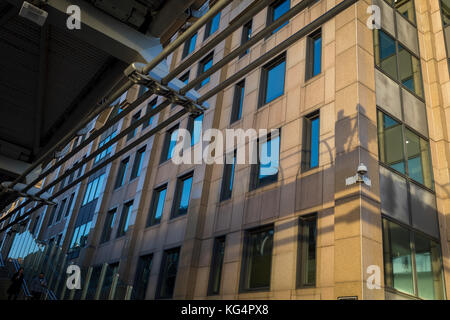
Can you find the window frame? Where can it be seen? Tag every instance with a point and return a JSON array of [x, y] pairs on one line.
[[175, 212], [187, 45], [214, 263], [307, 141], [120, 174], [246, 36], [228, 179], [201, 69], [238, 102], [255, 181], [311, 54], [122, 227], [166, 144], [108, 230], [163, 272], [137, 165], [151, 220], [270, 15], [302, 221]]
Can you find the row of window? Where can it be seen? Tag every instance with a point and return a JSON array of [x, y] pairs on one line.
[[256, 262], [123, 225], [106, 152], [93, 190], [60, 209]]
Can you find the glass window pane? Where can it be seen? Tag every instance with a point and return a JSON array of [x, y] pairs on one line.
[[390, 142], [173, 142], [185, 195], [142, 277], [275, 81], [197, 129], [216, 266], [317, 63], [307, 253], [269, 158], [409, 68], [385, 54], [168, 273], [315, 134], [419, 164], [428, 268], [397, 257], [259, 259], [406, 9]]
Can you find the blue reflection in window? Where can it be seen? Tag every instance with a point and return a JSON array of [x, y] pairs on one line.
[[173, 142], [206, 66], [278, 11], [275, 82], [214, 24], [315, 127], [185, 194], [317, 64], [191, 44], [269, 158], [198, 121], [415, 169], [160, 204], [387, 46]]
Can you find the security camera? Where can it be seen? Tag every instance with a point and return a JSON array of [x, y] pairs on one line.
[[362, 169]]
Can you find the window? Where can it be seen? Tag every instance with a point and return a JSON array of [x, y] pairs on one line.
[[238, 101], [409, 71], [69, 206], [61, 210], [307, 251], [445, 8], [182, 195], [142, 276], [157, 206], [266, 171], [185, 78], [189, 46], [227, 179], [406, 9], [80, 236], [246, 35], [170, 141], [272, 80], [111, 270], [134, 119], [212, 26], [52, 215], [390, 142], [168, 274], [216, 266], [393, 138], [120, 180], [106, 152], [195, 128], [276, 10], [203, 66], [257, 260], [311, 139], [137, 165], [412, 262], [390, 55], [314, 54], [124, 219], [108, 226], [150, 106]]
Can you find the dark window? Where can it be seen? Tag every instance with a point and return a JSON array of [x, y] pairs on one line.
[[227, 179], [307, 251], [216, 266], [111, 270], [124, 219], [108, 226], [182, 195], [189, 46], [314, 55], [195, 128], [120, 180], [203, 66], [266, 170], [257, 259], [134, 119], [157, 206], [142, 276], [272, 80], [150, 106], [61, 210], [412, 262], [69, 206], [185, 77], [246, 35], [311, 135], [35, 225], [170, 141], [276, 10], [52, 215], [93, 282], [212, 26], [168, 274], [238, 101], [137, 164]]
